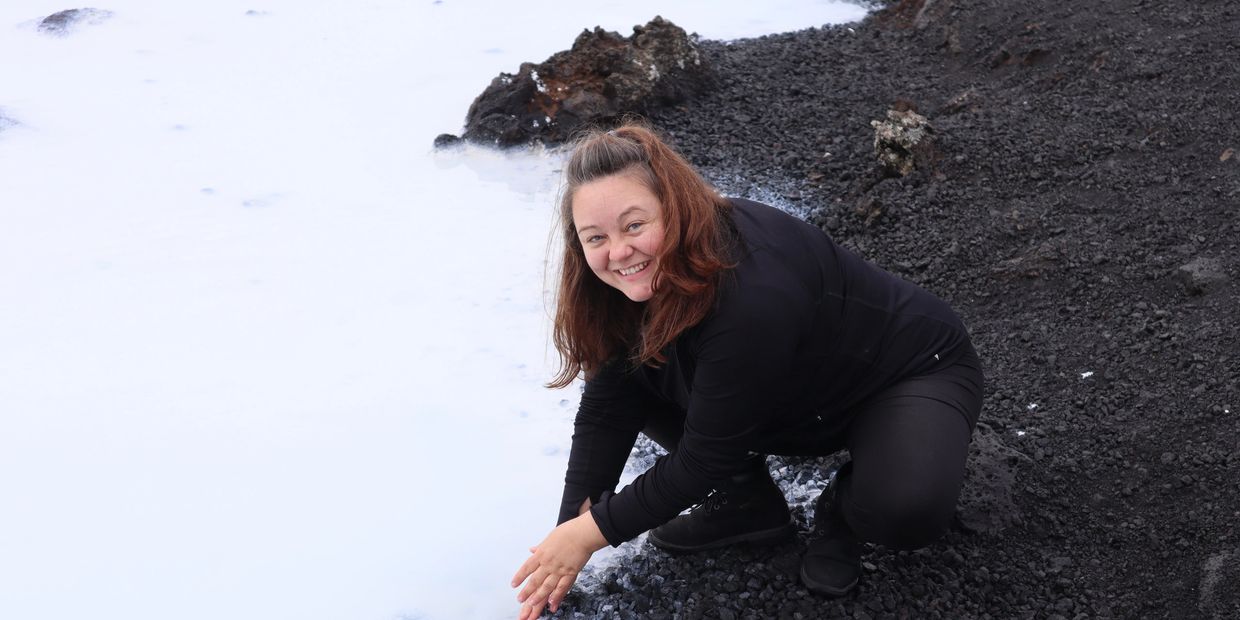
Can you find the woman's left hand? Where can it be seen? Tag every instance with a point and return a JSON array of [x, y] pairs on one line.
[[554, 564]]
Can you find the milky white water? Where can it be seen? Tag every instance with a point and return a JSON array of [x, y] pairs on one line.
[[262, 353]]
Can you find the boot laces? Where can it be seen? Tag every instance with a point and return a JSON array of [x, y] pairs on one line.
[[714, 502]]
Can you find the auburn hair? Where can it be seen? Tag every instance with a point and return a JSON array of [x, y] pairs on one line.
[[596, 323]]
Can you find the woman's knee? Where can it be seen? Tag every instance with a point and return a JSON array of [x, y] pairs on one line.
[[905, 521]]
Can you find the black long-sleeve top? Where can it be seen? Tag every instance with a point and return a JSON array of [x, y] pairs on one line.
[[803, 331]]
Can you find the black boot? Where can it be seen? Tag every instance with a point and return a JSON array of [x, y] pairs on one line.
[[752, 509], [832, 564]]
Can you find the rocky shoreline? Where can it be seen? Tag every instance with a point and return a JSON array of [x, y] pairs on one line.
[[1081, 211]]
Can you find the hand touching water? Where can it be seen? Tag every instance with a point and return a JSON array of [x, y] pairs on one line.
[[554, 563]]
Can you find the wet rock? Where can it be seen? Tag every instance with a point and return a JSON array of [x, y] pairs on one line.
[[904, 142], [447, 140], [602, 77], [65, 22], [1200, 275]]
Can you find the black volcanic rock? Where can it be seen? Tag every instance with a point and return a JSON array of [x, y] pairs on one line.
[[64, 22], [602, 77]]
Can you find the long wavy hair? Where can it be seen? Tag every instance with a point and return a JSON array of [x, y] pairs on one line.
[[594, 322]]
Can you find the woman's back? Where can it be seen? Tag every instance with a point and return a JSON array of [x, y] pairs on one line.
[[840, 328]]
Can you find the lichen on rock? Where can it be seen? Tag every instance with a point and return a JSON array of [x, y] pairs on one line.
[[903, 142]]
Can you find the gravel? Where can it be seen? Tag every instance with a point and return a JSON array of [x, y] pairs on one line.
[[1081, 213]]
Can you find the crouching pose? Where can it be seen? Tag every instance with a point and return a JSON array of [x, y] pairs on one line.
[[727, 330]]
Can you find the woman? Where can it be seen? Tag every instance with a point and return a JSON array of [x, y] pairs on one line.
[[726, 330]]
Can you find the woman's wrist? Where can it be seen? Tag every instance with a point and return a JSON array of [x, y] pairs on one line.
[[588, 529]]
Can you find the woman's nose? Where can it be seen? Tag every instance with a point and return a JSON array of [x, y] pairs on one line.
[[619, 251]]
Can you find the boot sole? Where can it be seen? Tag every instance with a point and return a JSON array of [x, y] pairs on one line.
[[823, 588], [759, 537]]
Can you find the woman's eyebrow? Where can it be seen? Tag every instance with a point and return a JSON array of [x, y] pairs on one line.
[[623, 214], [629, 210]]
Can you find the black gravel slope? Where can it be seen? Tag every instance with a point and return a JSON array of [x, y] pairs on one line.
[[1082, 215]]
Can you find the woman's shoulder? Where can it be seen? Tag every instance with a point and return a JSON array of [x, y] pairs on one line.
[[762, 226], [762, 213], [775, 277]]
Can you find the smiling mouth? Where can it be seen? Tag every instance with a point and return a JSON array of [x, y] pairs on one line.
[[628, 271]]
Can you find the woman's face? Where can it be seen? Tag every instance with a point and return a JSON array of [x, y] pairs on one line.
[[619, 222]]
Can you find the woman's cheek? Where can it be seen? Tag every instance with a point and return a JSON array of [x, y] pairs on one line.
[[598, 262]]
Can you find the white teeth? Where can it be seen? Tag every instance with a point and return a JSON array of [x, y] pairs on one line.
[[634, 269]]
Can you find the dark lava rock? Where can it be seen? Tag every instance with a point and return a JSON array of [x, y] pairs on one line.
[[64, 22], [1200, 274], [986, 501], [602, 77], [447, 140]]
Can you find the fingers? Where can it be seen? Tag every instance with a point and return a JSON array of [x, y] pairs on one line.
[[549, 573], [550, 593], [530, 611], [529, 566], [532, 585], [561, 590], [539, 587]]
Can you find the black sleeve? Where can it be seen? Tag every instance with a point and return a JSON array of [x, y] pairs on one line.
[[613, 410], [742, 358]]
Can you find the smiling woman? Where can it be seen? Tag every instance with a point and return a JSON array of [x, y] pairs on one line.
[[727, 330], [636, 218], [620, 228]]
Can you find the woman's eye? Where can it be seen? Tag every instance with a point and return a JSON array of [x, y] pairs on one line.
[[594, 238], [633, 226]]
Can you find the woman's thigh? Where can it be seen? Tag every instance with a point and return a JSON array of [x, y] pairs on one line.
[[909, 445], [665, 425]]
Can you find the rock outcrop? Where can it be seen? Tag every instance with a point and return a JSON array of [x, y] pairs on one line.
[[603, 76], [904, 142], [64, 22], [1200, 275]]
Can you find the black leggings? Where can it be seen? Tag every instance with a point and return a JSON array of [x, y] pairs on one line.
[[908, 445]]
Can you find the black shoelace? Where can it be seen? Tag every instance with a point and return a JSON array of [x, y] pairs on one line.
[[713, 502]]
